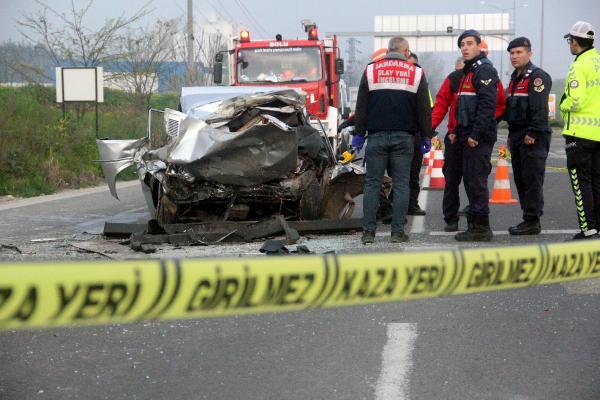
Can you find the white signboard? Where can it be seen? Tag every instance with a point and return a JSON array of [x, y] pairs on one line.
[[79, 84]]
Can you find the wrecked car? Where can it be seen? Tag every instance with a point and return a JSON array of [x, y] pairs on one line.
[[236, 154]]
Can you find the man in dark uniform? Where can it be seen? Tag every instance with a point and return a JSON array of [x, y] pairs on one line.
[[476, 133], [445, 102], [528, 133], [392, 105], [421, 147]]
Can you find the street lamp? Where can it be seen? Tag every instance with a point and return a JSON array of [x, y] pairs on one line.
[[514, 20], [503, 10]]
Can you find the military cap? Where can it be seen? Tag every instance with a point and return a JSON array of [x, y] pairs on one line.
[[519, 42], [468, 33]]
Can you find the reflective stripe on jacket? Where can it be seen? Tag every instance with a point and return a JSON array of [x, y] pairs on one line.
[[580, 103], [393, 96]]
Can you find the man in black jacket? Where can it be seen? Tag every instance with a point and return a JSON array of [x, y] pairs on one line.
[[392, 105], [417, 163], [528, 133], [476, 133]]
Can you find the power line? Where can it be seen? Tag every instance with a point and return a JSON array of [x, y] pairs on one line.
[[231, 18], [251, 19], [255, 20]]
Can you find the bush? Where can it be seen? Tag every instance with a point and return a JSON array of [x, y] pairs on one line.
[[43, 152]]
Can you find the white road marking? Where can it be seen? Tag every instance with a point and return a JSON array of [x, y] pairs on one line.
[[544, 232], [67, 194], [418, 221], [588, 286], [561, 155], [393, 381]]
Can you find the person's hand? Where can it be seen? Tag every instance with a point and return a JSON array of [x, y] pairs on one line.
[[528, 140], [358, 141], [472, 142], [425, 146]]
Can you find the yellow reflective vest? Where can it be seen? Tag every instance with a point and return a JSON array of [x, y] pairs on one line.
[[580, 104]]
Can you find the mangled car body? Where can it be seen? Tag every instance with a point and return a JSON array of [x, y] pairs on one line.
[[237, 154]]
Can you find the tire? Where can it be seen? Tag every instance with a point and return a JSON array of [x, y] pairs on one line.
[[311, 202], [166, 211]]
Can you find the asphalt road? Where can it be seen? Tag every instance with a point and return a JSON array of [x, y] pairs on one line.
[[539, 343]]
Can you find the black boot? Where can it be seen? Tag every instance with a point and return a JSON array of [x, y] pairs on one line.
[[469, 219], [415, 210], [451, 225], [527, 227], [591, 234], [368, 237], [478, 231]]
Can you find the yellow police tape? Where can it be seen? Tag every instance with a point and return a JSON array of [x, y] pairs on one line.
[[83, 293]]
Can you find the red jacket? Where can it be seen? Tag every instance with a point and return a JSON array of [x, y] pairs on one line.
[[447, 96]]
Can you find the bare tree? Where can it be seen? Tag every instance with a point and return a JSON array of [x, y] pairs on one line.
[[145, 50], [74, 43], [22, 63], [206, 45], [209, 44]]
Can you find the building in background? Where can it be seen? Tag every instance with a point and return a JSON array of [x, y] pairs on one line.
[[433, 38]]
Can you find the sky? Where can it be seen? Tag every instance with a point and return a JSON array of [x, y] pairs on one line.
[[268, 17]]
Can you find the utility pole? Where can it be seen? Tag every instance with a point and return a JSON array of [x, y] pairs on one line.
[[352, 52], [190, 37]]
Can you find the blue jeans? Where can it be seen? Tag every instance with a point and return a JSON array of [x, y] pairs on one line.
[[391, 150]]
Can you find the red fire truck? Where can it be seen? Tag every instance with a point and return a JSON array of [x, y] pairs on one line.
[[312, 65]]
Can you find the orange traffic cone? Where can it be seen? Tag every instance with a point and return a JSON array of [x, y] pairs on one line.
[[435, 143], [430, 162], [437, 180], [502, 193]]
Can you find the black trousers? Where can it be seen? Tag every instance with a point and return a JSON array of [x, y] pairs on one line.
[[583, 163], [529, 169], [452, 171], [415, 170], [471, 165]]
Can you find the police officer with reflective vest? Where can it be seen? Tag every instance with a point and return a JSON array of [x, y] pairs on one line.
[[580, 108], [476, 133], [392, 105], [528, 133]]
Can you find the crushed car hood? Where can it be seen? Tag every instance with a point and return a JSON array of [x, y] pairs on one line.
[[242, 139]]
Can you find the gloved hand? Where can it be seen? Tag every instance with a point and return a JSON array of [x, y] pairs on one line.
[[425, 146], [358, 141]]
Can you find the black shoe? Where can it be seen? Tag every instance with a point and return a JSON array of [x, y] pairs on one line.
[[451, 226], [416, 210], [474, 235], [464, 211], [399, 237], [526, 228], [368, 237], [583, 236], [478, 231]]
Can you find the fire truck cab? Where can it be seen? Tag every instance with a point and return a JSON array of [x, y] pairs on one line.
[[310, 64]]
